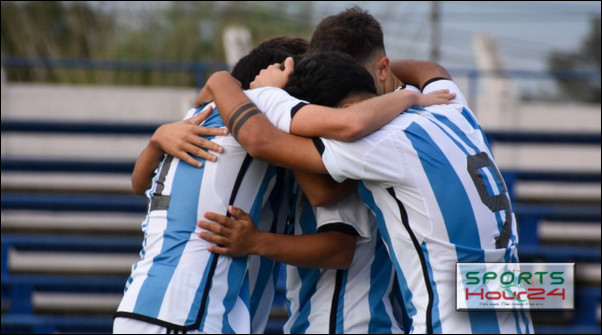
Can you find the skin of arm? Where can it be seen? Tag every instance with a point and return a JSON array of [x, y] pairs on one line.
[[321, 189], [263, 141], [238, 236], [347, 124], [418, 72], [181, 139]]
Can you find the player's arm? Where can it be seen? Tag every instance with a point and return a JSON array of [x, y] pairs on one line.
[[346, 124], [181, 139], [259, 137], [321, 189], [417, 72], [255, 132], [238, 236]]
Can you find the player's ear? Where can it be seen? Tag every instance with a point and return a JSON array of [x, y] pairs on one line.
[[382, 68]]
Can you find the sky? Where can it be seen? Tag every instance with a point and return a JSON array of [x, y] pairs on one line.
[[526, 31]]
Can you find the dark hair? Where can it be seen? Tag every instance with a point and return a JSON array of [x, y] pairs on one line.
[[265, 54], [290, 44], [353, 31], [327, 78], [258, 59]]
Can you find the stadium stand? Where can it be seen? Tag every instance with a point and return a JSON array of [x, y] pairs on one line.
[[71, 225]]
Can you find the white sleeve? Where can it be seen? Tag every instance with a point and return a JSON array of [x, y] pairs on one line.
[[368, 158], [350, 211], [445, 84], [277, 105], [409, 88]]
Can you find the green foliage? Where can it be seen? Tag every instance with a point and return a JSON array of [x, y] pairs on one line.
[[587, 58], [166, 32]]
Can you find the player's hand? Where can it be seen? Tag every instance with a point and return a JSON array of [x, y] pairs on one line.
[[183, 139], [275, 75], [234, 237], [439, 97]]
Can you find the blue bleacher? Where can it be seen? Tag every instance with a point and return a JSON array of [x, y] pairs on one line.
[[19, 314]]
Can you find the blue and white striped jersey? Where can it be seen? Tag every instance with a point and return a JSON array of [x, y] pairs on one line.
[[330, 301], [430, 178], [178, 283]]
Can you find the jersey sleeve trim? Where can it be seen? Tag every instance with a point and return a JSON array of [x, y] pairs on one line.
[[318, 144], [297, 107], [339, 227], [432, 80]]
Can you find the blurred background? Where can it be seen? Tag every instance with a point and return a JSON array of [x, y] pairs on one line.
[[84, 85]]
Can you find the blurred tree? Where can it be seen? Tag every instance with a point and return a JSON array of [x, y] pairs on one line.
[[179, 31], [586, 58], [51, 29]]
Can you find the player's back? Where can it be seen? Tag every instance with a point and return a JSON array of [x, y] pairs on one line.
[[178, 281], [355, 300], [442, 201]]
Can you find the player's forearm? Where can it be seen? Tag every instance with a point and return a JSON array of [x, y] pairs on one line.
[[321, 189], [418, 72], [328, 250], [356, 121], [256, 133], [145, 166]]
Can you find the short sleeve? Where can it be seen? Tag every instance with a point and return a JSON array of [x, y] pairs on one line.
[[446, 84], [344, 160], [277, 105], [349, 211]]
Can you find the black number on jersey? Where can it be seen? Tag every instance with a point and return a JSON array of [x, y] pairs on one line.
[[493, 202]]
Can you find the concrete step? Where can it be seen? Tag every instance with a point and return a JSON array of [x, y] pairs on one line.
[[66, 182], [71, 262], [46, 302], [46, 222]]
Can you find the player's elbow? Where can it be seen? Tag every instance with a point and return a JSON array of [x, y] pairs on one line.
[[354, 129], [138, 188], [257, 146], [320, 199]]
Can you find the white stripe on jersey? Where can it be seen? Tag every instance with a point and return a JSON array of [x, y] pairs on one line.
[[429, 210], [363, 291], [177, 282]]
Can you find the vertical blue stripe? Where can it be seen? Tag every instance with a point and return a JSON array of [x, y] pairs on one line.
[[487, 182], [340, 326], [436, 319], [470, 118], [457, 131], [236, 277], [457, 212], [266, 266], [516, 321], [309, 277], [526, 321], [380, 280], [237, 273], [452, 199], [181, 222], [193, 315], [406, 294]]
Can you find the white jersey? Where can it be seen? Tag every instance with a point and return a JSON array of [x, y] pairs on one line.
[[330, 301], [178, 283], [430, 178]]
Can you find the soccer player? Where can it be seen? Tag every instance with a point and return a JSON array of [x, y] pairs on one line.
[[178, 285], [352, 298], [430, 178]]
